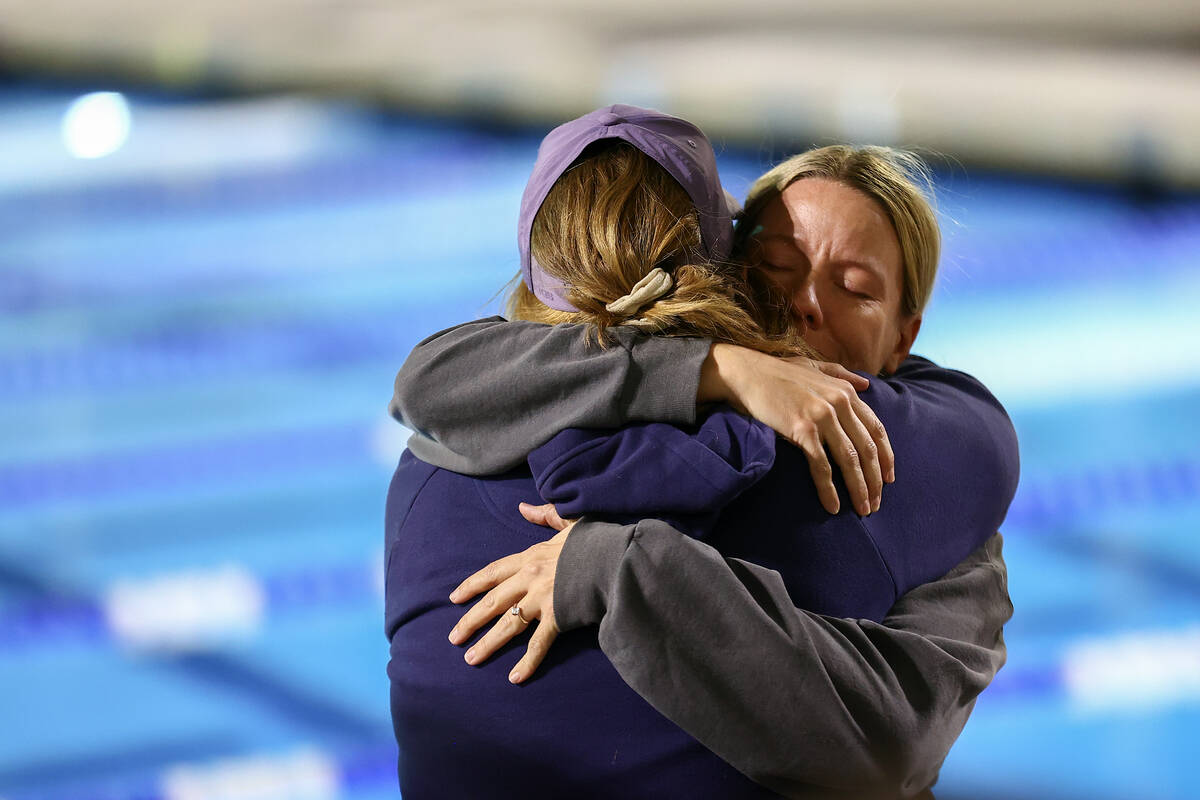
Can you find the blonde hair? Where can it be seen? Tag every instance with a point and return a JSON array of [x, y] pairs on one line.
[[899, 181], [611, 219]]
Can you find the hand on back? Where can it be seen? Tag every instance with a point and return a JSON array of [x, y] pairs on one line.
[[521, 588], [814, 405]]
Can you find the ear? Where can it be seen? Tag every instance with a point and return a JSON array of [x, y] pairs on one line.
[[909, 328]]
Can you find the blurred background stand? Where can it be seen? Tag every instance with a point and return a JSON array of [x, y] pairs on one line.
[[1103, 88]]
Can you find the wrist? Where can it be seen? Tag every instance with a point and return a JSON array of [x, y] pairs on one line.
[[717, 375]]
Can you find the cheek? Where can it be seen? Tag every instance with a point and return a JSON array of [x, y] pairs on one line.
[[860, 334], [828, 347]]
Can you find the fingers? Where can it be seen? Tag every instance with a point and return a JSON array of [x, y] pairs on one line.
[[546, 515], [816, 405], [833, 370], [818, 466], [851, 412], [502, 632], [873, 457], [539, 646], [844, 453], [535, 514], [887, 458], [878, 434], [848, 428], [555, 521], [871, 440], [874, 428], [497, 601], [491, 575], [508, 627]]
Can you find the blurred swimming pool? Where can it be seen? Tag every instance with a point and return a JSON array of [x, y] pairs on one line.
[[198, 340]]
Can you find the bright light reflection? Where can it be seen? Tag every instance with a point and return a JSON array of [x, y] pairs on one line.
[[96, 125], [1134, 671]]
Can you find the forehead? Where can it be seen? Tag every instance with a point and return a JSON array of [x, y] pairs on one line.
[[828, 205], [826, 215]]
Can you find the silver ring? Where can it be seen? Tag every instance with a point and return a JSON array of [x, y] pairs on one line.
[[516, 612]]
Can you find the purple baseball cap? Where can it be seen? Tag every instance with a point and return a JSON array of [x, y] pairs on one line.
[[676, 145]]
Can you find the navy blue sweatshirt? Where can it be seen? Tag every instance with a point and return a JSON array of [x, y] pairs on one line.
[[577, 729], [957, 474], [574, 730]]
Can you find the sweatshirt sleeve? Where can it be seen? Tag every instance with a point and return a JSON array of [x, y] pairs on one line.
[[775, 690], [685, 476], [957, 467], [480, 396]]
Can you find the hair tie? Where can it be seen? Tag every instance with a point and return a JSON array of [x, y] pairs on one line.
[[656, 283]]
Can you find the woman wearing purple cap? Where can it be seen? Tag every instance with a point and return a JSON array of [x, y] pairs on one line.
[[644, 263]]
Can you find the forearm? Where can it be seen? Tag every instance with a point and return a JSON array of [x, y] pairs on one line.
[[716, 645], [686, 475], [480, 396]]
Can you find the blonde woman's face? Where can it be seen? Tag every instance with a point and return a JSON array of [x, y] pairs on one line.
[[833, 250]]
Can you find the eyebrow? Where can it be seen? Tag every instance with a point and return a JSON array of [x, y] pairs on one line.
[[866, 266], [869, 266]]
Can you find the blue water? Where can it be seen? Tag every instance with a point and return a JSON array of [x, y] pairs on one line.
[[198, 338]]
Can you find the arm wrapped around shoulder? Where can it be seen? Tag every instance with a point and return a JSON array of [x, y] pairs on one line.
[[480, 396], [685, 476]]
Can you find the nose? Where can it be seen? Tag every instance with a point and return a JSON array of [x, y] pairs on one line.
[[806, 306]]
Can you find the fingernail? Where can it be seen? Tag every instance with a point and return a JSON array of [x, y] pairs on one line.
[[453, 636], [891, 475], [454, 596], [470, 656], [864, 508], [514, 677]]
